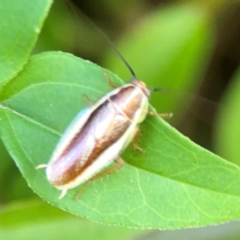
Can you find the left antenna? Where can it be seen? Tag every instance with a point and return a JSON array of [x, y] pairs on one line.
[[78, 12]]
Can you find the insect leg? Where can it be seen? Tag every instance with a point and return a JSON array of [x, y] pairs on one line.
[[87, 101], [135, 140], [110, 170], [119, 161], [41, 166], [163, 115], [109, 81], [63, 193]]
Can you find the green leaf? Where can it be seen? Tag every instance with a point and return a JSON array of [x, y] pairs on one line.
[[5, 164], [29, 212], [175, 184], [228, 129], [21, 22], [14, 187], [23, 220]]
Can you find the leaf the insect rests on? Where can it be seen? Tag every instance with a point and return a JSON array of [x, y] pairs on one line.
[[175, 184]]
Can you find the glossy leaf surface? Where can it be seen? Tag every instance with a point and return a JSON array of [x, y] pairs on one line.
[[174, 184]]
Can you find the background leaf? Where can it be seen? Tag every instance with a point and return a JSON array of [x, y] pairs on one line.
[[14, 187], [23, 219], [21, 22], [227, 128], [174, 57]]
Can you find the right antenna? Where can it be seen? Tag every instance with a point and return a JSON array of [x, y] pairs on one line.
[[103, 35]]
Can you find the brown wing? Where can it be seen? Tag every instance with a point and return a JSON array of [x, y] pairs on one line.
[[103, 128]]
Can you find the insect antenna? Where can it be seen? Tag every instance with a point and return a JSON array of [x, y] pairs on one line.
[[77, 12]]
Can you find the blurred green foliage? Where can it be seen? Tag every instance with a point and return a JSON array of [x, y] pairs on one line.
[[143, 37], [228, 130]]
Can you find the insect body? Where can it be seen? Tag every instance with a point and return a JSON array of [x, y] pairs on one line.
[[98, 135]]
